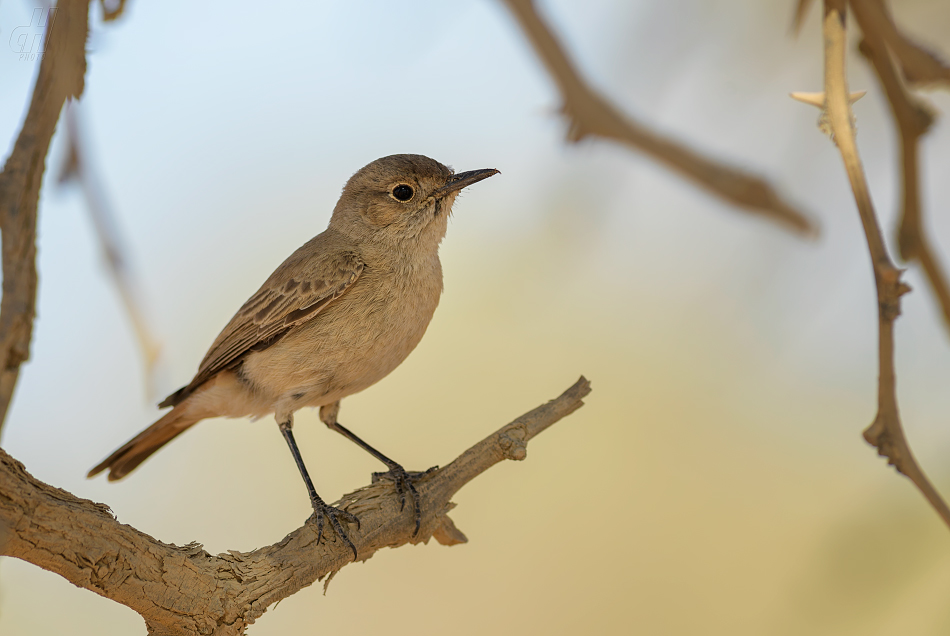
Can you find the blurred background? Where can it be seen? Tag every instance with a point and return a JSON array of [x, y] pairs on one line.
[[716, 482]]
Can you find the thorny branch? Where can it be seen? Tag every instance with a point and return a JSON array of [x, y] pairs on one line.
[[185, 590], [886, 432], [913, 119], [590, 114], [60, 77]]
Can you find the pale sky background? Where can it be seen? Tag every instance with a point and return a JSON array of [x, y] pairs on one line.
[[715, 483]]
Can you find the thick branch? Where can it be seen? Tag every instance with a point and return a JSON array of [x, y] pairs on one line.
[[185, 590], [60, 76], [886, 432], [913, 119], [590, 114]]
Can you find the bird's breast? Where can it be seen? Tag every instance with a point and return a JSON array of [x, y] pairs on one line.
[[355, 341]]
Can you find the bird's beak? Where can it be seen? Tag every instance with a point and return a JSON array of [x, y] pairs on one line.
[[458, 181]]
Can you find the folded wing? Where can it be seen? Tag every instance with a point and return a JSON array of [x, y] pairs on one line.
[[296, 292]]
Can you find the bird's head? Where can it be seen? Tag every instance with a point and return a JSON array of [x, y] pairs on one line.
[[401, 198]]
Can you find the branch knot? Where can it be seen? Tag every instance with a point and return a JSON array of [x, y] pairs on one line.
[[513, 442], [878, 435]]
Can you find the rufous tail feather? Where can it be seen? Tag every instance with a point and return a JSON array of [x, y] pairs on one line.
[[139, 448]]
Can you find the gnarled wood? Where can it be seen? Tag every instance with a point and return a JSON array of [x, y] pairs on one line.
[[60, 77], [186, 591]]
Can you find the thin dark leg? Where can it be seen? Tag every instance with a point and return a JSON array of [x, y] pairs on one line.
[[320, 507], [353, 437], [402, 479]]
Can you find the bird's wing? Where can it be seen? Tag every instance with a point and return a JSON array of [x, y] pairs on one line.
[[297, 291]]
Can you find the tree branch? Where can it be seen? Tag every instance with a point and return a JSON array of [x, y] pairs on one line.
[[590, 114], [913, 119], [185, 590], [886, 432], [919, 66], [60, 77], [801, 10], [80, 168]]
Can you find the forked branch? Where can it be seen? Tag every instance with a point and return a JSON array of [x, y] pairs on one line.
[[185, 590], [920, 66], [913, 118], [591, 114], [886, 432]]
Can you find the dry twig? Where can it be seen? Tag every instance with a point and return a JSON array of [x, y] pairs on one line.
[[590, 114], [78, 167], [60, 77], [886, 432], [801, 10], [919, 66], [112, 11], [185, 590], [913, 119], [180, 590]]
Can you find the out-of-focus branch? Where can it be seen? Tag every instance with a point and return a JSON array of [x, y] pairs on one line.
[[590, 114], [886, 432], [801, 10], [913, 119], [919, 66], [60, 77], [185, 590], [78, 166], [112, 10]]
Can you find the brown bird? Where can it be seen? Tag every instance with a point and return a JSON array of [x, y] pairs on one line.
[[337, 316]]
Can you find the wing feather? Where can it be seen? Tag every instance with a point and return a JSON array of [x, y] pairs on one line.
[[297, 291]]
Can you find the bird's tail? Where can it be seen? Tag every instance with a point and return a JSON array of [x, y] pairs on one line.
[[139, 448]]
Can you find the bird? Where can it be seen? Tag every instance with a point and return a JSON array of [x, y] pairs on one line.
[[334, 318]]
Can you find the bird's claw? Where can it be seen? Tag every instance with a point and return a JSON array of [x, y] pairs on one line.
[[404, 481], [323, 510]]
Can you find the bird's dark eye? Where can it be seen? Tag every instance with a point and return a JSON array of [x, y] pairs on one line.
[[402, 192]]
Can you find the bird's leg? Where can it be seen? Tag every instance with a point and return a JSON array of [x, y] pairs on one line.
[[403, 480], [321, 509]]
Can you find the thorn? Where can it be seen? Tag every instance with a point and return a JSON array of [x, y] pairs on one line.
[[818, 99]]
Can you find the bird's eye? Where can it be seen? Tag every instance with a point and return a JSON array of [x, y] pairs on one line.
[[402, 192]]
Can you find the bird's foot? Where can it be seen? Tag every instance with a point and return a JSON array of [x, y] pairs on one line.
[[323, 510], [405, 482]]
